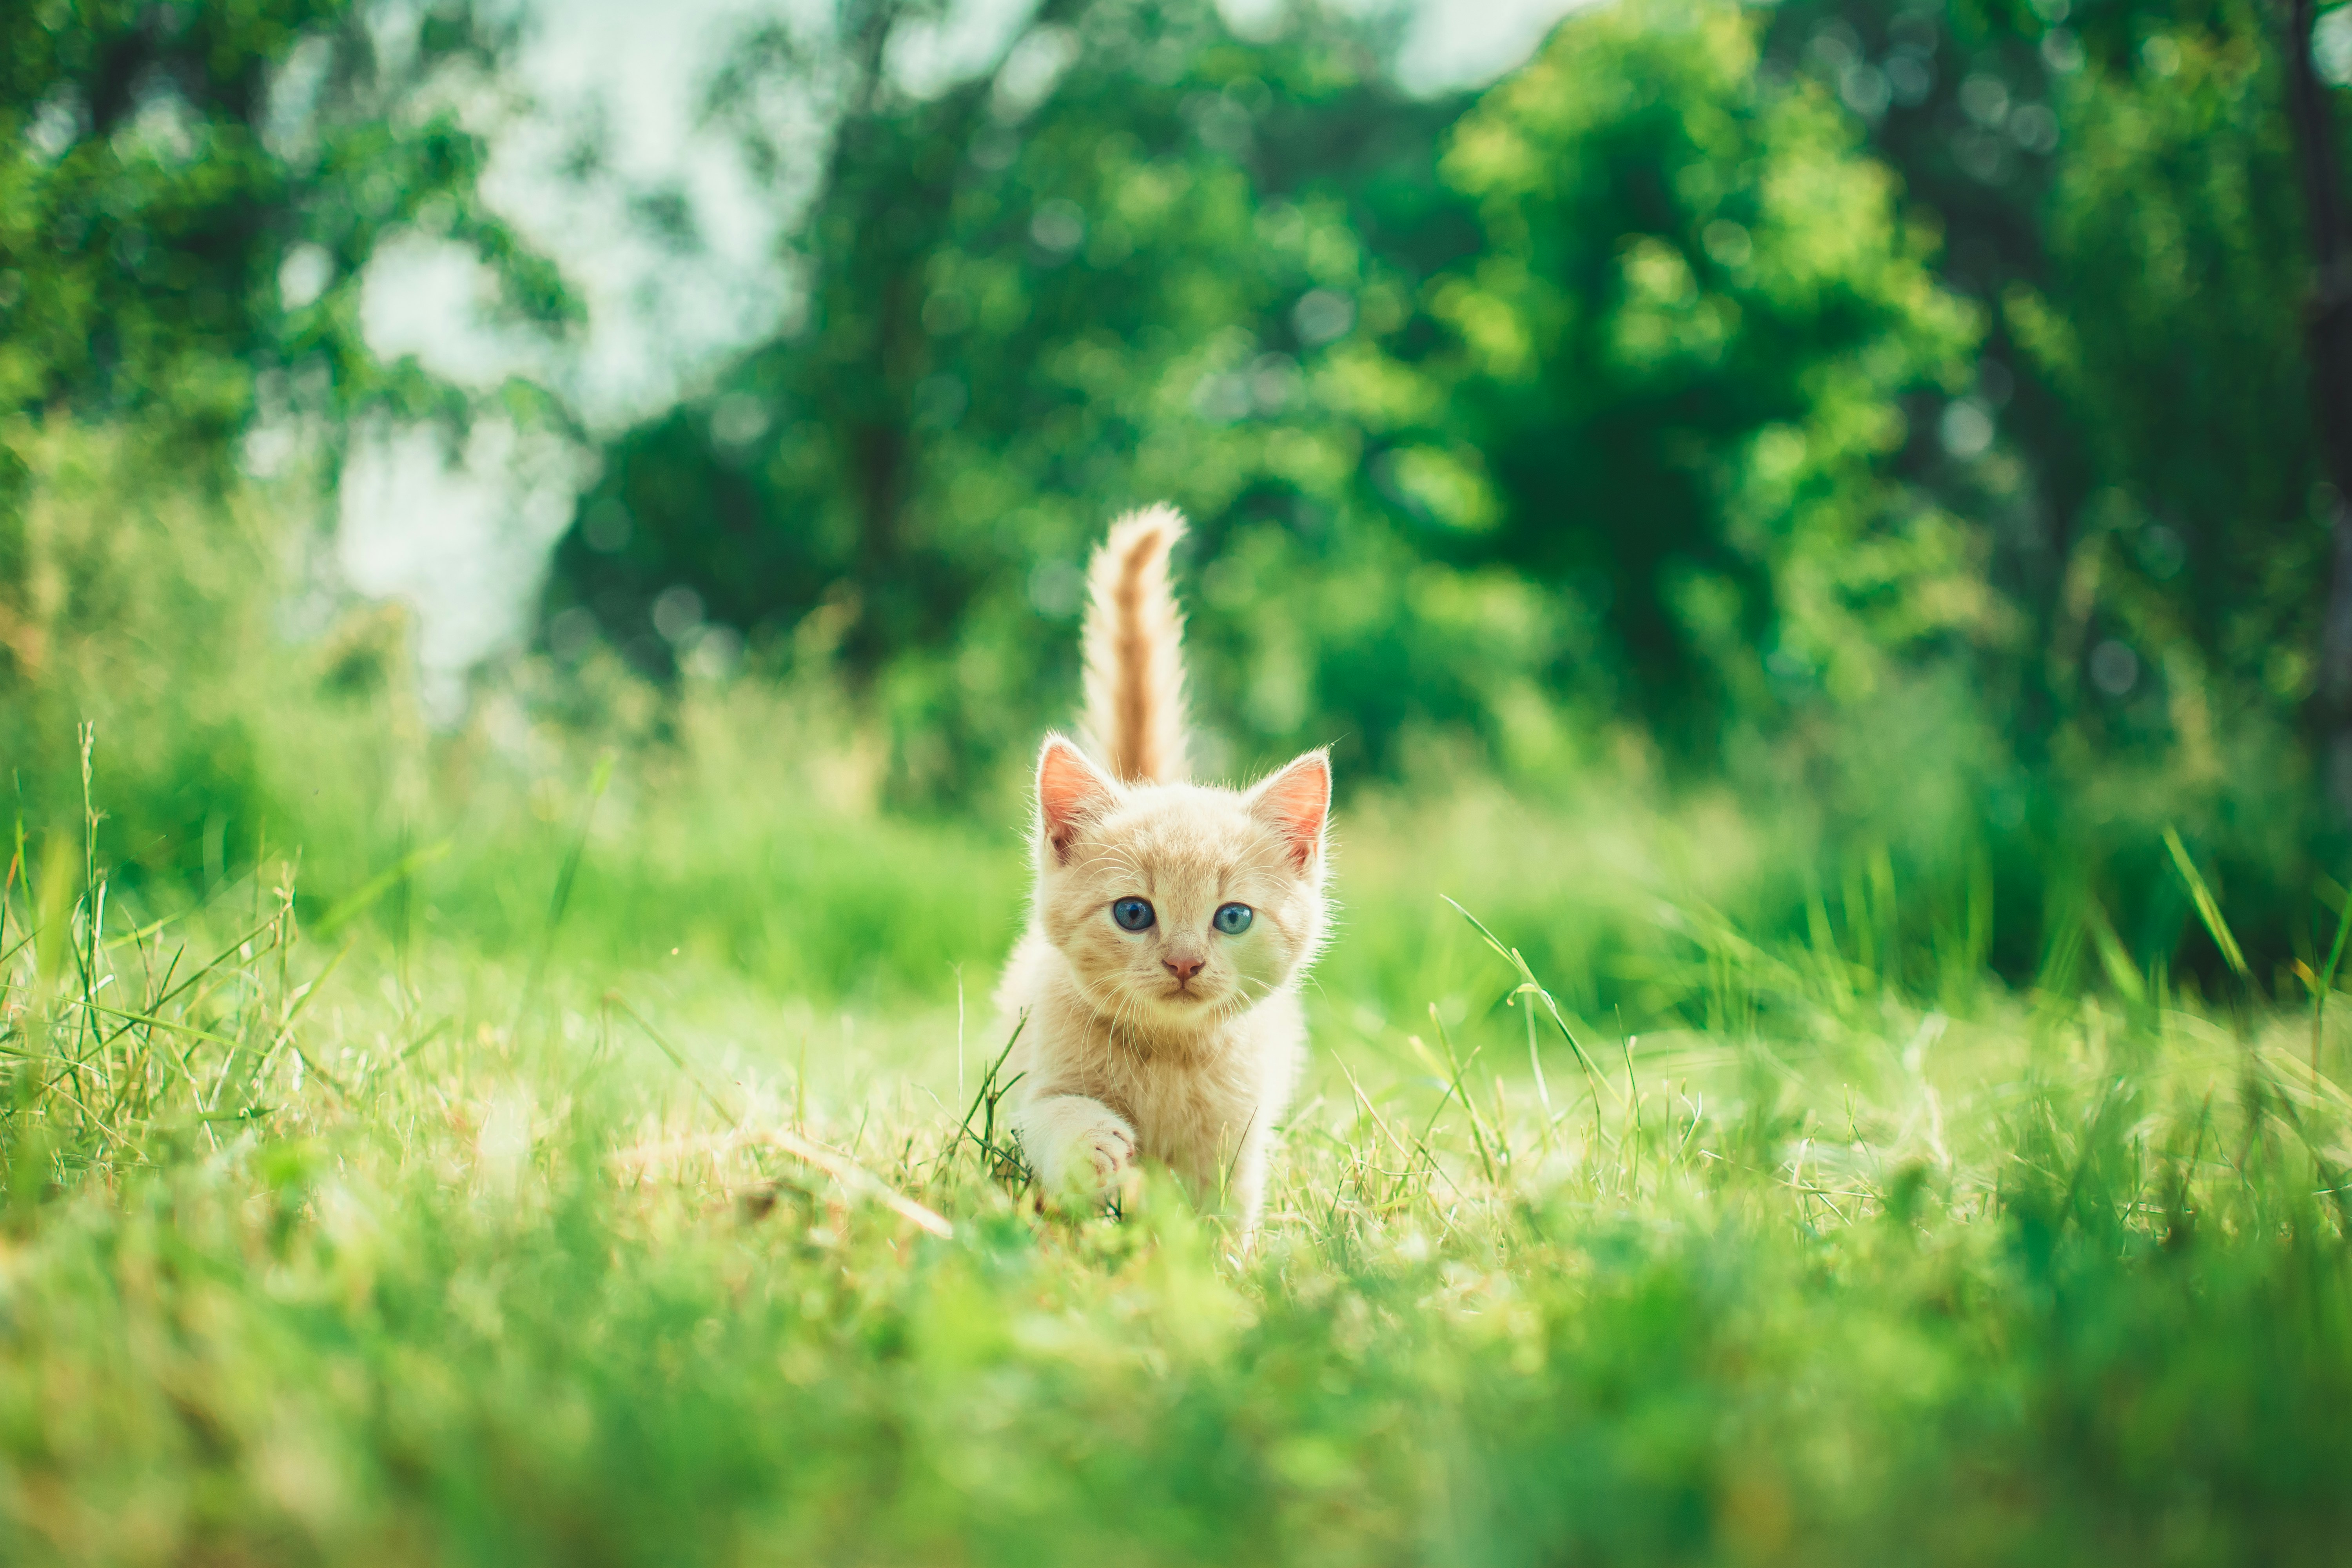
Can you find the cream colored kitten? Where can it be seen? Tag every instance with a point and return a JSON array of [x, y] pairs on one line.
[[1170, 922]]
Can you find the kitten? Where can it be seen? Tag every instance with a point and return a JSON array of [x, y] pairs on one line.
[[1170, 922]]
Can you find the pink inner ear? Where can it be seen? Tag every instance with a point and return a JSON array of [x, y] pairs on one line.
[[1069, 791], [1297, 800]]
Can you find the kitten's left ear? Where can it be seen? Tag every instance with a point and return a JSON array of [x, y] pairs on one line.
[[1071, 792], [1296, 802]]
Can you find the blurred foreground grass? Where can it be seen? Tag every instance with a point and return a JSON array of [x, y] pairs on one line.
[[332, 1235]]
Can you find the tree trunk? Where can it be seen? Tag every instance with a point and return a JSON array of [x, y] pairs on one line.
[[2328, 333]]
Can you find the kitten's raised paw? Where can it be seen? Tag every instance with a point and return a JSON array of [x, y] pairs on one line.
[[1086, 1152], [1111, 1144], [1101, 1157]]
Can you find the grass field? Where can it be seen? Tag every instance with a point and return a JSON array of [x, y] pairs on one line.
[[573, 1203]]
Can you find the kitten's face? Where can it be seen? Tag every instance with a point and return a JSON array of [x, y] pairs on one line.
[[1177, 905]]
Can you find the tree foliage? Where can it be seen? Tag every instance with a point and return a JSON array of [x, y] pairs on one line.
[[1740, 387], [190, 194], [1573, 395]]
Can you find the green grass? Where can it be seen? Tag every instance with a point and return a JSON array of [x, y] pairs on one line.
[[398, 1241]]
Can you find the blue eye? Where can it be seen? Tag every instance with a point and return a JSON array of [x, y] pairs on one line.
[[1132, 914], [1234, 918]]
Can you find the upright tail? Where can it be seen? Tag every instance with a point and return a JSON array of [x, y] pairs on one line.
[[1135, 651]]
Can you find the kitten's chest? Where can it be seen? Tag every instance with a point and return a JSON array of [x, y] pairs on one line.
[[1191, 1114]]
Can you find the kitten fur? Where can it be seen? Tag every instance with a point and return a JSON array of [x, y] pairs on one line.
[[1179, 1042]]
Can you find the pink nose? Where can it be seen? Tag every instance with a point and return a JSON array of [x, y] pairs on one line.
[[1183, 969]]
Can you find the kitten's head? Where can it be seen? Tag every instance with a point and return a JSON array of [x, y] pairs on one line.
[[1177, 905]]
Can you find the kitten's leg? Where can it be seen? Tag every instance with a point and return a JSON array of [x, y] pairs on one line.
[[1080, 1147], [1279, 1035]]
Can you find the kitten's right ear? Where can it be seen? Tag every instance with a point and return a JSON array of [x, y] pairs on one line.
[[1297, 802], [1071, 793]]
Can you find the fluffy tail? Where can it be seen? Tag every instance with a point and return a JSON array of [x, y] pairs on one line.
[[1135, 651]]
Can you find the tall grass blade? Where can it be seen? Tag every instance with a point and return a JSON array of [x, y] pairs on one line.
[[2122, 973], [2326, 983], [2208, 911], [1529, 986]]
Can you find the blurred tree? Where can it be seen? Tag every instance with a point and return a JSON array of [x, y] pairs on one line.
[[1141, 256], [2117, 179], [1114, 266], [2169, 324], [189, 194], [1683, 353], [1733, 372], [2328, 334]]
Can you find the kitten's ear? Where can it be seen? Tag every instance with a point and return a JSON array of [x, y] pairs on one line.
[[1071, 792], [1296, 802]]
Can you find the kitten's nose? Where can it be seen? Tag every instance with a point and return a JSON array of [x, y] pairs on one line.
[[1183, 969]]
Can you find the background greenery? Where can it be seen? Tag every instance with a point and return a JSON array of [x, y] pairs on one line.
[[1781, 511], [1721, 396]]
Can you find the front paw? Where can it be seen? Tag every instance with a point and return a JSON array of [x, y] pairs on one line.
[[1095, 1164], [1106, 1149]]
